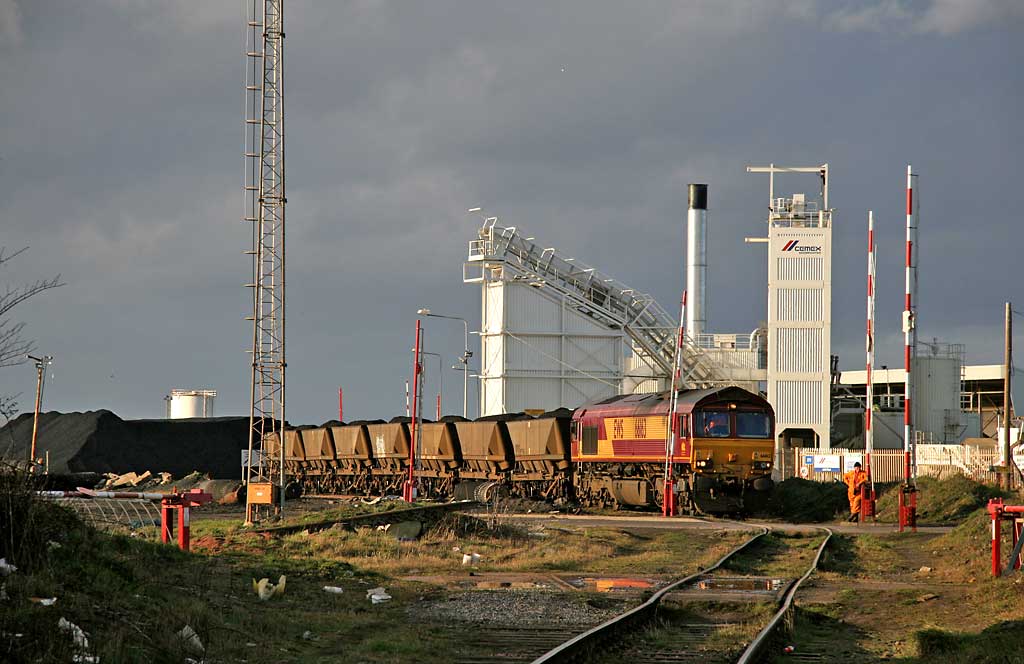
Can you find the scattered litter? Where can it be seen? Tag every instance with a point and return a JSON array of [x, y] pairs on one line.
[[788, 649], [250, 644], [924, 570], [377, 595], [927, 597], [45, 601], [470, 558], [384, 526], [6, 568], [456, 549], [265, 589], [80, 638], [51, 545], [191, 640], [372, 501], [334, 590], [309, 636]]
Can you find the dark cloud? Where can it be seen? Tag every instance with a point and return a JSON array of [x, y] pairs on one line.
[[120, 158]]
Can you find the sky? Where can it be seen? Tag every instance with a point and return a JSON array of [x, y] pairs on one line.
[[579, 122]]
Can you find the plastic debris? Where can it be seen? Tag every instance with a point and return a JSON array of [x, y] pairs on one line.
[[309, 636], [52, 545], [788, 649], [265, 589], [6, 568], [45, 601], [470, 558], [80, 638], [334, 590], [924, 570], [191, 640], [377, 595]]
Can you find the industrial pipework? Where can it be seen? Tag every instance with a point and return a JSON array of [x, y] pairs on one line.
[[696, 259]]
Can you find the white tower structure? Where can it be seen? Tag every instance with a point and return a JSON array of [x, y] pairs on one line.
[[554, 331], [799, 312]]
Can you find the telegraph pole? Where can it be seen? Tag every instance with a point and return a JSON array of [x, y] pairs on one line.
[[41, 364]]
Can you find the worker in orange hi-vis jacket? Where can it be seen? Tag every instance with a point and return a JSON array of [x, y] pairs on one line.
[[854, 479]]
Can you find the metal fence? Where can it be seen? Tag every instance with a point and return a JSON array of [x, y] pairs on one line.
[[887, 465]]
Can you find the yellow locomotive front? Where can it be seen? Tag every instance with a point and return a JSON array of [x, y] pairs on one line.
[[732, 436]]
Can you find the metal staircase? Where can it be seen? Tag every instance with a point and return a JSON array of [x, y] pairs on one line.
[[594, 295]]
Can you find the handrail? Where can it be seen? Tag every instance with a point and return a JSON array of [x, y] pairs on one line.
[[580, 643], [756, 647]]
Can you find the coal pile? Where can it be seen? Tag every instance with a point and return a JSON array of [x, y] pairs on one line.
[[101, 442]]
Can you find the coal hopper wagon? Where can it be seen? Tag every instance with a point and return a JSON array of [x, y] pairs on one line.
[[607, 454]]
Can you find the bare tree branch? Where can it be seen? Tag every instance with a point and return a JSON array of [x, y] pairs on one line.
[[14, 348]]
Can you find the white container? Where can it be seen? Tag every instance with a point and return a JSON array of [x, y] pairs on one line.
[[183, 404]]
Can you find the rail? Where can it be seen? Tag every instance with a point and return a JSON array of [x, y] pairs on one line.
[[757, 646], [583, 643]]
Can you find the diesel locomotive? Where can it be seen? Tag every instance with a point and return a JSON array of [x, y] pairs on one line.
[[608, 454]]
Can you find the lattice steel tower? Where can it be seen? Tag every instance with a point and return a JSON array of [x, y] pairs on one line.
[[264, 209]]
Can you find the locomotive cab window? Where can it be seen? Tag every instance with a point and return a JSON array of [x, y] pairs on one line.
[[753, 425], [590, 440], [712, 424], [683, 431]]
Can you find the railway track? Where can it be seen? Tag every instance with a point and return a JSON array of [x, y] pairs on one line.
[[725, 613]]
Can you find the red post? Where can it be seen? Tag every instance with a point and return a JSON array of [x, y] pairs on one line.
[[183, 527], [995, 510], [180, 502], [1016, 536], [166, 522], [409, 491], [341, 405]]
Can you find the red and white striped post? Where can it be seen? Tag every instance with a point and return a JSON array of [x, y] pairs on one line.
[[407, 398], [409, 491], [668, 503], [868, 489], [908, 495]]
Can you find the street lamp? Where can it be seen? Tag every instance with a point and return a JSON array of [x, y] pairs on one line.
[[466, 354]]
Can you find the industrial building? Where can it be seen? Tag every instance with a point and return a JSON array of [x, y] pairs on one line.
[[556, 332]]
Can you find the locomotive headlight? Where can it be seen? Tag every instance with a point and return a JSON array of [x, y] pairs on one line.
[[762, 465], [704, 463]]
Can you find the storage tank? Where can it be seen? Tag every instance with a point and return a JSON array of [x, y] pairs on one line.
[[183, 404]]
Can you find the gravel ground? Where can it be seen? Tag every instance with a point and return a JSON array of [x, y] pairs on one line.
[[515, 608]]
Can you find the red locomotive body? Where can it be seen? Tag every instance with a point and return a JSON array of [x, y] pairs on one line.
[[722, 447]]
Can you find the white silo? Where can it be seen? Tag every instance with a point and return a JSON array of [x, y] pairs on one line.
[[183, 404]]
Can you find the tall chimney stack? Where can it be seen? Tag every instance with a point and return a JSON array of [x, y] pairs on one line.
[[696, 259]]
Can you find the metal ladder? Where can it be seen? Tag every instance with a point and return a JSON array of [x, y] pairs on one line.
[[598, 296]]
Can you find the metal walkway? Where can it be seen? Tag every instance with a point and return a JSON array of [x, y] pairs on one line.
[[595, 295]]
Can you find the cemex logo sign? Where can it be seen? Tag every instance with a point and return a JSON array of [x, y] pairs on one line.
[[794, 245]]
